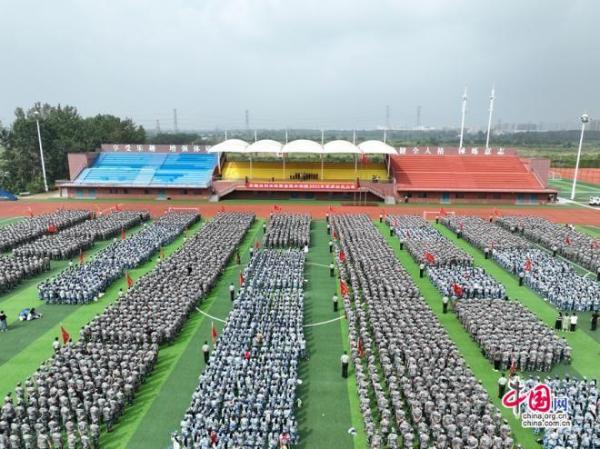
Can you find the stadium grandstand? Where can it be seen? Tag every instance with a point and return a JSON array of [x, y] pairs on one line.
[[336, 170]]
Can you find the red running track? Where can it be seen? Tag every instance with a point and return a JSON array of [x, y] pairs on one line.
[[558, 214]]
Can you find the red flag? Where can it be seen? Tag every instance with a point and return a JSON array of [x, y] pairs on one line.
[[429, 258], [64, 334], [528, 265], [129, 280], [30, 212], [343, 287], [567, 240], [342, 256], [276, 208], [360, 349], [241, 279], [334, 235], [443, 212], [213, 332], [513, 368], [123, 234], [257, 244], [52, 228], [458, 291], [81, 257], [222, 208], [330, 208]]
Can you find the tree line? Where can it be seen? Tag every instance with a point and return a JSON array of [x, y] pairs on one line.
[[63, 130]]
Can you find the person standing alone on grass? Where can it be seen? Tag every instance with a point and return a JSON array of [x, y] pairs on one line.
[[56, 345], [445, 301], [502, 386], [206, 351], [331, 270], [231, 291], [3, 323], [595, 317], [335, 302], [345, 359]]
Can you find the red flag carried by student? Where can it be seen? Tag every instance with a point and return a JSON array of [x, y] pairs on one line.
[[342, 256], [213, 332], [81, 257], [257, 244], [123, 234], [52, 228], [241, 279], [222, 208], [30, 212], [567, 240], [429, 258], [457, 289], [528, 265], [443, 212], [334, 235], [129, 280], [276, 208], [343, 287], [360, 349], [64, 335]]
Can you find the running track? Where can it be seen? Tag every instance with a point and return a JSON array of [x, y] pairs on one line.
[[559, 214]]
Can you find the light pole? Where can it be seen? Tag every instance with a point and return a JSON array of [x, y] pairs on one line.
[[37, 123], [489, 128], [462, 118], [584, 119]]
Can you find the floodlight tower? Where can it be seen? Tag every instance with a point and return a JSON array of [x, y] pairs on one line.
[[39, 134], [462, 119], [584, 120], [489, 128]]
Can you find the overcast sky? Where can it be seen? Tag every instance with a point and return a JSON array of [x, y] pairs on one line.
[[305, 63]]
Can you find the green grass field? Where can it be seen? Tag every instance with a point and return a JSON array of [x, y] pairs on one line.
[[583, 190], [329, 403]]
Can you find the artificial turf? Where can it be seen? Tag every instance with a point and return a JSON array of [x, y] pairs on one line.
[[30, 344], [479, 365], [585, 344], [162, 401], [583, 191]]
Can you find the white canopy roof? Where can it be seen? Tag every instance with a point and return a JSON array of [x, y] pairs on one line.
[[229, 146], [264, 146], [303, 146], [376, 147], [340, 146]]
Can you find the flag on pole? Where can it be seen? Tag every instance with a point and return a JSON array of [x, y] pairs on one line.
[[64, 335], [360, 348], [81, 257], [257, 244], [213, 332], [343, 287], [528, 265], [52, 228], [513, 368], [458, 290], [334, 235], [241, 279], [429, 258], [276, 208], [342, 256], [567, 240], [129, 280]]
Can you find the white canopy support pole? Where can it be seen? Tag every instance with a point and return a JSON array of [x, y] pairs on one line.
[[385, 136], [283, 157], [322, 137], [354, 137], [286, 136], [251, 172], [389, 159], [225, 134], [219, 161], [322, 176], [255, 135], [355, 165]]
